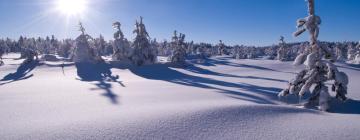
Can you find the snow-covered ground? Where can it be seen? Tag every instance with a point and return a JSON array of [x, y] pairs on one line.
[[219, 99]]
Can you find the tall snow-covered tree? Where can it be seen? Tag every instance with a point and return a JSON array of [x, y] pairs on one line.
[[143, 52], [83, 52], [318, 70]]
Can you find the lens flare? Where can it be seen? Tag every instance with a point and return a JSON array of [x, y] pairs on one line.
[[71, 7]]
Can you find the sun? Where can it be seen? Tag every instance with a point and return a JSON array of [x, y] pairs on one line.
[[71, 7]]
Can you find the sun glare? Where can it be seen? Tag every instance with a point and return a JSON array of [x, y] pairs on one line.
[[71, 7]]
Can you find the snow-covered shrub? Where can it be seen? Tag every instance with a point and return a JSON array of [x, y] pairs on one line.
[[143, 52], [318, 71]]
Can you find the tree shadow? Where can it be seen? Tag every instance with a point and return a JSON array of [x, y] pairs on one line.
[[199, 70], [350, 106], [349, 66], [258, 94], [101, 73], [225, 61], [246, 92], [21, 73]]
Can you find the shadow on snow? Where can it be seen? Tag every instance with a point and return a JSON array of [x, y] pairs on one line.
[[257, 94], [167, 73], [102, 74], [22, 73]]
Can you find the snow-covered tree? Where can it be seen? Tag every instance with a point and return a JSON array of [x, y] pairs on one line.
[[121, 47], [221, 48], [83, 52], [179, 53], [3, 50], [283, 53], [340, 52], [191, 50], [271, 52], [357, 54], [65, 48], [143, 52], [318, 70], [351, 53]]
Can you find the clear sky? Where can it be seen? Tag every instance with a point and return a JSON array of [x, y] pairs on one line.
[[249, 22]]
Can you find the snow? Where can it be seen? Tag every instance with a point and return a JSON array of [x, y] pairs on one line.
[[221, 98]]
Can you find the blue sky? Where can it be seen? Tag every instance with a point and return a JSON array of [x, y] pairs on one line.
[[249, 22]]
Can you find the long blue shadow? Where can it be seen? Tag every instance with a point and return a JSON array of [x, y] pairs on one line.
[[166, 73], [101, 73]]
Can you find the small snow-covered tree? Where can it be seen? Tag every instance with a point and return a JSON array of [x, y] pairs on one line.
[[318, 71], [191, 50], [202, 51], [340, 52], [143, 52], [179, 53], [65, 48], [3, 50], [351, 53], [271, 52], [121, 47], [221, 48], [283, 53], [357, 54]]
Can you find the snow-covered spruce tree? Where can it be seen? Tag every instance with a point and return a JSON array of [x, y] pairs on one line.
[[163, 49], [3, 50], [100, 44], [357, 54], [83, 53], [318, 71], [271, 52], [235, 52], [201, 51], [191, 49], [65, 48], [179, 53], [30, 55], [121, 47], [351, 52], [221, 48], [283, 53], [143, 52], [340, 52], [54, 43]]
